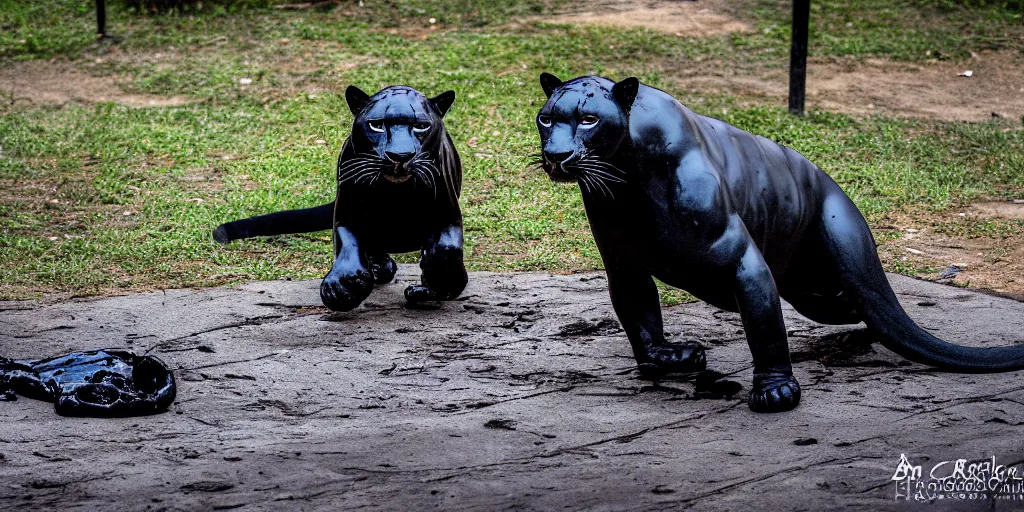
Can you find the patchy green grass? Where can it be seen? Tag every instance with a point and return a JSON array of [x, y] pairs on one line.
[[981, 228], [101, 198]]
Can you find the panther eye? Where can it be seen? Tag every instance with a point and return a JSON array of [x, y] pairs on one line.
[[377, 126], [544, 120], [420, 127], [588, 121]]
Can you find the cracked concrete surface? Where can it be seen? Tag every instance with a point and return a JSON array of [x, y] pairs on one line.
[[520, 395]]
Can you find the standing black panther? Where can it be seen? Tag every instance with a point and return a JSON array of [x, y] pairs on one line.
[[399, 179], [732, 218]]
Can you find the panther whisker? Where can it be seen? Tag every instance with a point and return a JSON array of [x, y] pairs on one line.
[[605, 177], [352, 177], [594, 185], [604, 164], [348, 172], [355, 173], [433, 181], [356, 162], [606, 190], [600, 173], [582, 180], [430, 167], [427, 179], [363, 177], [598, 185], [354, 166], [446, 176], [598, 177], [431, 163], [612, 169], [424, 172], [348, 169]]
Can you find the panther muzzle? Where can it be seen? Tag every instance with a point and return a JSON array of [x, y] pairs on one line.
[[398, 173], [557, 168], [398, 179]]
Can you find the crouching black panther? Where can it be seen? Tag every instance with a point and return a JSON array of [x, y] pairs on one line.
[[398, 184], [732, 218]]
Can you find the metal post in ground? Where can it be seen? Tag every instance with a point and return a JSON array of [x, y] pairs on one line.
[[798, 56], [101, 19]]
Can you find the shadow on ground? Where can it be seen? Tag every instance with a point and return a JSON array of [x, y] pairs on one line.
[[521, 395]]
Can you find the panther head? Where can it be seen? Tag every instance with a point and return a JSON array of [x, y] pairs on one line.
[[582, 124], [394, 134]]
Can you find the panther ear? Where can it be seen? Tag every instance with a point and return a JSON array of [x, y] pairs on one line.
[[357, 99], [625, 92], [442, 102], [549, 82]]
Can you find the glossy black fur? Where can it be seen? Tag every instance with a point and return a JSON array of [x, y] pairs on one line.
[[101, 383], [732, 218], [398, 184]]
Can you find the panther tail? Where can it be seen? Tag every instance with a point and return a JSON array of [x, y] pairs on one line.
[[850, 242], [306, 220], [897, 332]]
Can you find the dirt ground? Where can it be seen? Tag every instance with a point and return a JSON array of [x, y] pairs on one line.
[[58, 82], [683, 18], [520, 395], [991, 263], [933, 90]]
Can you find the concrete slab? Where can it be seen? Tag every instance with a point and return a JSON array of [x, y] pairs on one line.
[[521, 395]]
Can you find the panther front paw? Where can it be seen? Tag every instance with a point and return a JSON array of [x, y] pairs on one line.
[[383, 269], [418, 293], [774, 392], [346, 292], [687, 357]]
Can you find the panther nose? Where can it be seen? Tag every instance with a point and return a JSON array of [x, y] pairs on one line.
[[557, 157], [399, 158]]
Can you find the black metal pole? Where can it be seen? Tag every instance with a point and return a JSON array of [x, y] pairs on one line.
[[101, 19], [798, 56]]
